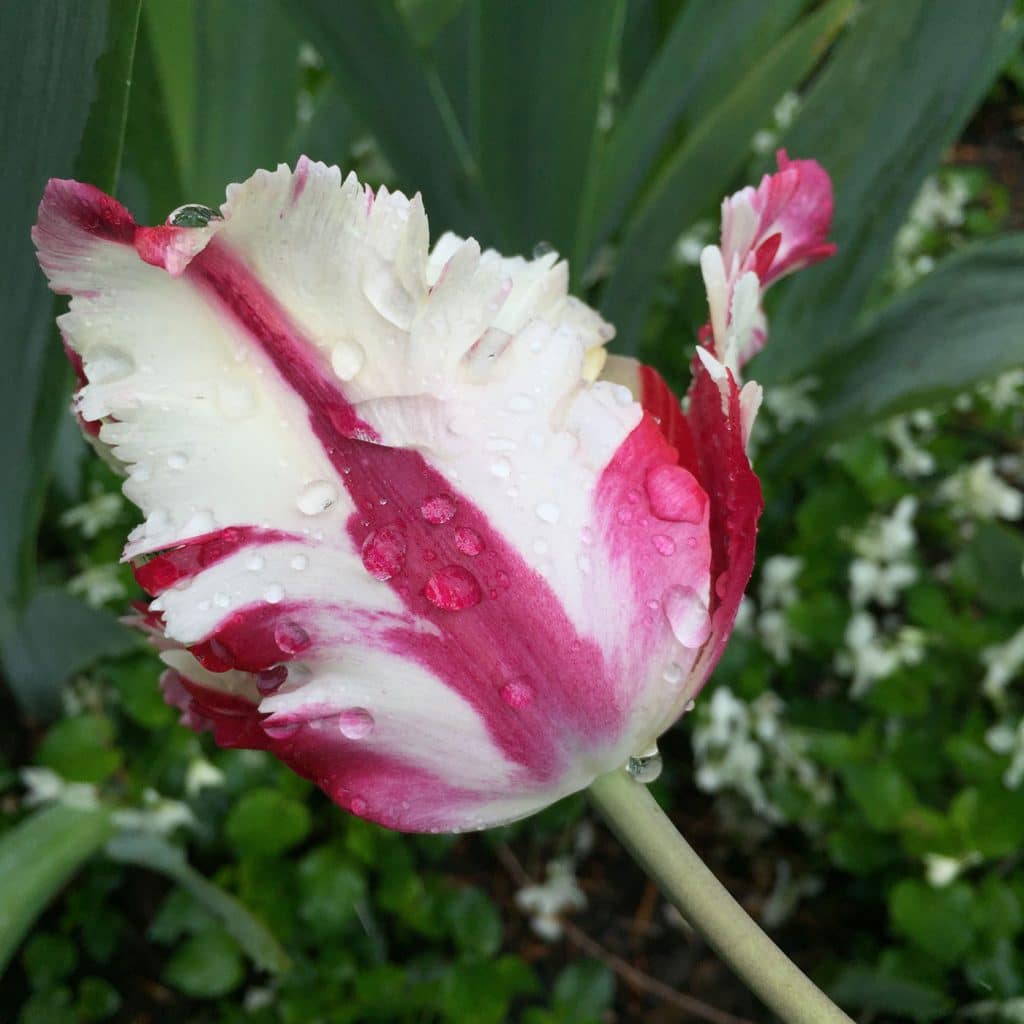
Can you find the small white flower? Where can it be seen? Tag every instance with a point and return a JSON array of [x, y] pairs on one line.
[[98, 584], [547, 901], [977, 491], [1003, 663], [94, 515]]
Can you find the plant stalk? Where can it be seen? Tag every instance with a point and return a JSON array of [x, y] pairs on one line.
[[645, 830]]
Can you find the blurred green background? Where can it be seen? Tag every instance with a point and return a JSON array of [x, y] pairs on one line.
[[855, 770]]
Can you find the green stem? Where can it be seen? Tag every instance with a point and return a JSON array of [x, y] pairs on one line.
[[645, 830]]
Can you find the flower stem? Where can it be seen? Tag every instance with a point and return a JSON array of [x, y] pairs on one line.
[[645, 830]]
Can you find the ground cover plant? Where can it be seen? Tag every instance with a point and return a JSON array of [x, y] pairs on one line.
[[855, 770]]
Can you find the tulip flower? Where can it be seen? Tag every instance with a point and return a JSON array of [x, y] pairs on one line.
[[404, 525]]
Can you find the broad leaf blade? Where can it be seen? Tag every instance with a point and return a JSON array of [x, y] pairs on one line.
[[897, 91], [959, 325], [37, 857], [66, 66], [56, 636], [693, 178], [375, 61], [695, 68], [542, 70], [156, 854]]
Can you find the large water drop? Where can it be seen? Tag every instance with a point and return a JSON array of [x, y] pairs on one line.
[[384, 552], [453, 588], [317, 497], [687, 614], [646, 766]]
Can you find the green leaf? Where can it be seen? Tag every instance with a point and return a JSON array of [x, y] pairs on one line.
[[957, 326], [156, 854], [884, 796], [330, 886], [991, 818], [584, 992], [476, 924], [264, 823], [899, 89], [206, 965], [694, 175], [37, 857], [864, 988], [66, 67], [541, 78], [374, 59], [57, 636], [937, 921], [49, 959], [990, 564], [694, 69], [81, 749]]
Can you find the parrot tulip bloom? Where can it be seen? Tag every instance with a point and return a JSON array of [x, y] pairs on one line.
[[399, 527]]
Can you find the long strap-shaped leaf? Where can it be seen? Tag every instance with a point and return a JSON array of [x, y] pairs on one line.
[[542, 70], [897, 92], [695, 68], [37, 857], [960, 324], [712, 154], [63, 99], [156, 854], [372, 54]]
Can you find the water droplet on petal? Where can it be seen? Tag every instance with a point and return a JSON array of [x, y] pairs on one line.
[[254, 563], [452, 589], [645, 767], [192, 215], [518, 693], [221, 600], [299, 562], [267, 682], [281, 730], [317, 497], [542, 249], [347, 359], [675, 495], [663, 544], [358, 806], [468, 541], [274, 594], [585, 564], [673, 674], [290, 637], [438, 509], [548, 512], [689, 706], [177, 460], [501, 468], [688, 616], [384, 552], [624, 515], [355, 723]]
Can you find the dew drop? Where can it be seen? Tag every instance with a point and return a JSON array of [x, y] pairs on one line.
[[663, 544], [274, 594], [177, 460], [269, 681], [542, 249], [438, 509], [517, 693], [254, 563], [317, 497], [299, 562], [675, 495], [192, 215], [347, 359], [290, 637], [501, 468], [452, 589], [358, 806], [548, 512], [468, 541], [355, 723], [673, 674], [645, 767], [687, 615], [384, 552], [624, 515], [689, 706], [585, 564], [281, 730], [221, 600]]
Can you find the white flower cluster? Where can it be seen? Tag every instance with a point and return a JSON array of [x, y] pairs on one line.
[[790, 405], [939, 204], [1003, 663], [977, 491], [99, 584], [691, 243], [736, 745], [93, 516], [882, 569], [1005, 391], [778, 593], [549, 900], [871, 655], [783, 114], [908, 435]]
